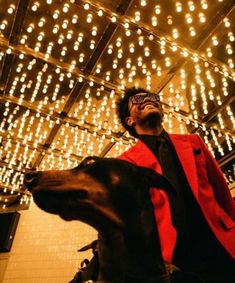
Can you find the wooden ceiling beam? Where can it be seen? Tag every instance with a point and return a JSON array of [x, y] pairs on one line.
[[226, 159]]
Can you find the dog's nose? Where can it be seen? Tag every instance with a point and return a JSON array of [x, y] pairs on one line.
[[31, 179]]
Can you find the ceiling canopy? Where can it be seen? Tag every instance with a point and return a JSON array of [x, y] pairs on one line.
[[64, 64]]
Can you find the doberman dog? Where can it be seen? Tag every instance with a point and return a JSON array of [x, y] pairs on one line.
[[112, 196]]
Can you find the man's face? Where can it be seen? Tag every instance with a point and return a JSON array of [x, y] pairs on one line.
[[144, 106]]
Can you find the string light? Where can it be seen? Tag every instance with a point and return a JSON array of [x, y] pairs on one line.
[[136, 52]]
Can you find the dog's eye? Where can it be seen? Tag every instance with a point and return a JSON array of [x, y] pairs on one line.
[[89, 160], [86, 162]]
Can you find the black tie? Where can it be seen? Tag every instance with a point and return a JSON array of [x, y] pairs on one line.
[[169, 170]]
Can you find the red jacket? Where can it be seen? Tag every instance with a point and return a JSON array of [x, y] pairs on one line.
[[207, 183]]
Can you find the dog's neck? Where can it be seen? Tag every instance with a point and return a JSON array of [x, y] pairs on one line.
[[130, 253]]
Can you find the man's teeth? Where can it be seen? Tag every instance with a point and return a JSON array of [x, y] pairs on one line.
[[149, 106]]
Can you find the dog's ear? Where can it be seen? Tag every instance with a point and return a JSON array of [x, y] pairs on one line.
[[155, 180]]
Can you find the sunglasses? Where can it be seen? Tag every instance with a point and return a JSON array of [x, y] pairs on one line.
[[140, 97]]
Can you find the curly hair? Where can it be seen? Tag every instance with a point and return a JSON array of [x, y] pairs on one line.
[[123, 111]]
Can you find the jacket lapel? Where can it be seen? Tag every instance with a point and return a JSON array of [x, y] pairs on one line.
[[185, 153], [143, 156]]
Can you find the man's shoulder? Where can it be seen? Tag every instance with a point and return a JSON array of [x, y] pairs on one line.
[[127, 153], [137, 152], [193, 139], [184, 136]]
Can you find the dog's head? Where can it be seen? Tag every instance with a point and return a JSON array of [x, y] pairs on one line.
[[97, 191]]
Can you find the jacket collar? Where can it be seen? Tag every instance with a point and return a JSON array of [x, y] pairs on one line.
[[184, 151], [140, 152]]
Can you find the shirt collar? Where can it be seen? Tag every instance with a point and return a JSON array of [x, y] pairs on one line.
[[151, 140]]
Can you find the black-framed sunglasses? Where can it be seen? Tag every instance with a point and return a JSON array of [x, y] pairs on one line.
[[140, 97]]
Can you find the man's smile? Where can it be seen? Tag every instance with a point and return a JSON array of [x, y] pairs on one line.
[[148, 105]]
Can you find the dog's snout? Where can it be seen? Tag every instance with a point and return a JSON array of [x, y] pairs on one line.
[[31, 179]]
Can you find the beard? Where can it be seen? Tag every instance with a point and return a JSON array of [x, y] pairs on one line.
[[152, 120]]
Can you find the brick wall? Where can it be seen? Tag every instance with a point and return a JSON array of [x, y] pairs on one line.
[[45, 248]]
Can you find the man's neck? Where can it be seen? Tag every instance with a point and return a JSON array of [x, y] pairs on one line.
[[149, 131]]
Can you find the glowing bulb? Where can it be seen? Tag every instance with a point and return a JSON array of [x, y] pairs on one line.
[[154, 64], [110, 49], [35, 6], [154, 21], [128, 63], [209, 52], [141, 40], [191, 6], [169, 20], [100, 13], [128, 32], [92, 44], [30, 28], [66, 8], [143, 3], [132, 48], [215, 41], [167, 62], [204, 4], [192, 31], [56, 14], [174, 47], [65, 24], [40, 36], [113, 19], [89, 18], [185, 53], [229, 49], [178, 7], [175, 33], [3, 25], [231, 36], [146, 51], [81, 58], [69, 34], [151, 37], [157, 9], [86, 6], [137, 16], [74, 19], [11, 9], [202, 18], [115, 64], [189, 18], [94, 31], [126, 25], [55, 29], [226, 22]]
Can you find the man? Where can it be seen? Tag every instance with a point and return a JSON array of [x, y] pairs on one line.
[[197, 225]]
